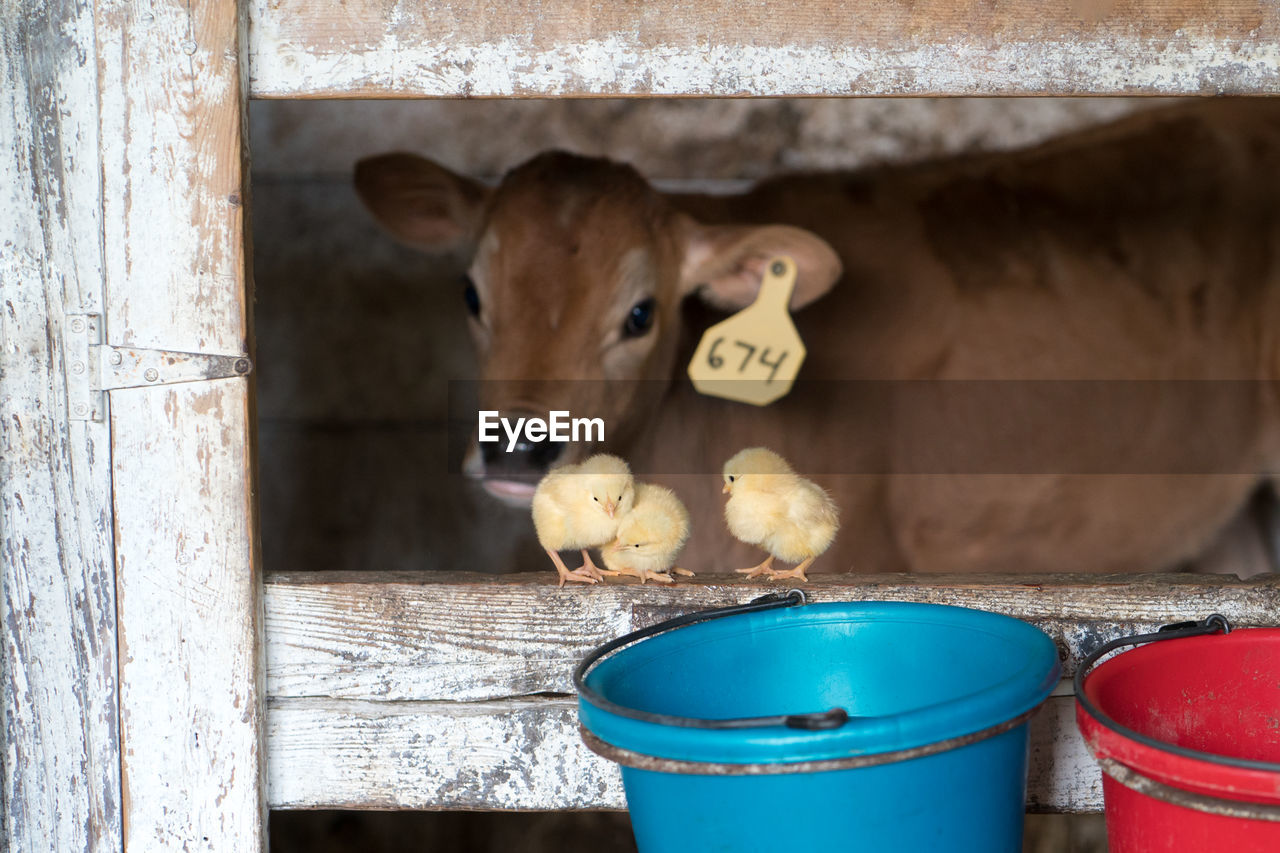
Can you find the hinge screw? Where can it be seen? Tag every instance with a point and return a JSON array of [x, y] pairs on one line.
[[151, 375], [242, 365], [81, 409], [77, 325], [78, 367], [116, 357]]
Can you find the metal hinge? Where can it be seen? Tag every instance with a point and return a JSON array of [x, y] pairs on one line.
[[93, 368]]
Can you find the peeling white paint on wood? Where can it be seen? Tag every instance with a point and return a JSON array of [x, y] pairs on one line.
[[617, 67], [172, 115], [429, 680], [461, 641], [460, 637], [189, 698], [528, 754], [61, 755], [1061, 773], [171, 158], [517, 754], [372, 48]]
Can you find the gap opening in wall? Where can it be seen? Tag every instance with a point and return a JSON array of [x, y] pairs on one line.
[[360, 338]]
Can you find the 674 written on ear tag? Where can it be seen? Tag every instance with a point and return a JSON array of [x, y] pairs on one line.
[[754, 356]]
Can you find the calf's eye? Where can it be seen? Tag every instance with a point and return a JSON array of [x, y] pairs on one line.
[[639, 319], [471, 296]]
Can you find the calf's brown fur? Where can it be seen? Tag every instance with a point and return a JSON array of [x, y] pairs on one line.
[[1122, 284]]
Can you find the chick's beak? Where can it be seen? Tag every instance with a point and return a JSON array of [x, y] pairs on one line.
[[610, 508], [727, 490]]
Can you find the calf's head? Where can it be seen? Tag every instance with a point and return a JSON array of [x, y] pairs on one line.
[[578, 267]]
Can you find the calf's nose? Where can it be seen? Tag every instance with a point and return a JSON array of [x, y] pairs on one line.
[[525, 459], [545, 453]]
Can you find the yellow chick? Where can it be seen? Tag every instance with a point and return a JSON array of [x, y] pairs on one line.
[[649, 536], [773, 507], [578, 507]]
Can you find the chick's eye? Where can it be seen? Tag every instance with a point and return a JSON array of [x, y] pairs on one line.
[[639, 319], [730, 478], [471, 296]]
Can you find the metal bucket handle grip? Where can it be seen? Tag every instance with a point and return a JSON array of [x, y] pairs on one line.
[[832, 719], [1209, 625]]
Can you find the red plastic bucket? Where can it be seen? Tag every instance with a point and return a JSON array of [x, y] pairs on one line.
[[1187, 731]]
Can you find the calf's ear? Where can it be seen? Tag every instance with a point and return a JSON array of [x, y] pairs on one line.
[[420, 202], [723, 264]]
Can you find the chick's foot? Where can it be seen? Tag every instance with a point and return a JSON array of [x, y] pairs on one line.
[[765, 568], [565, 574], [590, 569], [797, 572]]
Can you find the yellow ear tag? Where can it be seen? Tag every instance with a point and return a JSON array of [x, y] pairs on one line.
[[754, 356]]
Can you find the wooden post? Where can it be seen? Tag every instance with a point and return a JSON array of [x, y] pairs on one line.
[[61, 734], [132, 695]]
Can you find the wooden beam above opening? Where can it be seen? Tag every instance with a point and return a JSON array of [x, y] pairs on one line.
[[724, 48]]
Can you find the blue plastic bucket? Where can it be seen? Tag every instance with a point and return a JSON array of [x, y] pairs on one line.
[[843, 726]]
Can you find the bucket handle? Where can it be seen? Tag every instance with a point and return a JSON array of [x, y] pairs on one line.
[[1177, 631], [832, 719]]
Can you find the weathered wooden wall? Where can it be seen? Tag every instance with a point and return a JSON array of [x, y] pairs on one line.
[[61, 758], [132, 705]]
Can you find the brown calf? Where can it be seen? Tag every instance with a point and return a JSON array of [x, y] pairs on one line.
[[1122, 283]]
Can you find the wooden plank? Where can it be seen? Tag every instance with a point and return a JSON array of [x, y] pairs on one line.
[[515, 754], [175, 267], [450, 691], [189, 694], [427, 639], [536, 48], [1061, 774], [174, 178], [528, 754], [458, 637], [61, 755]]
